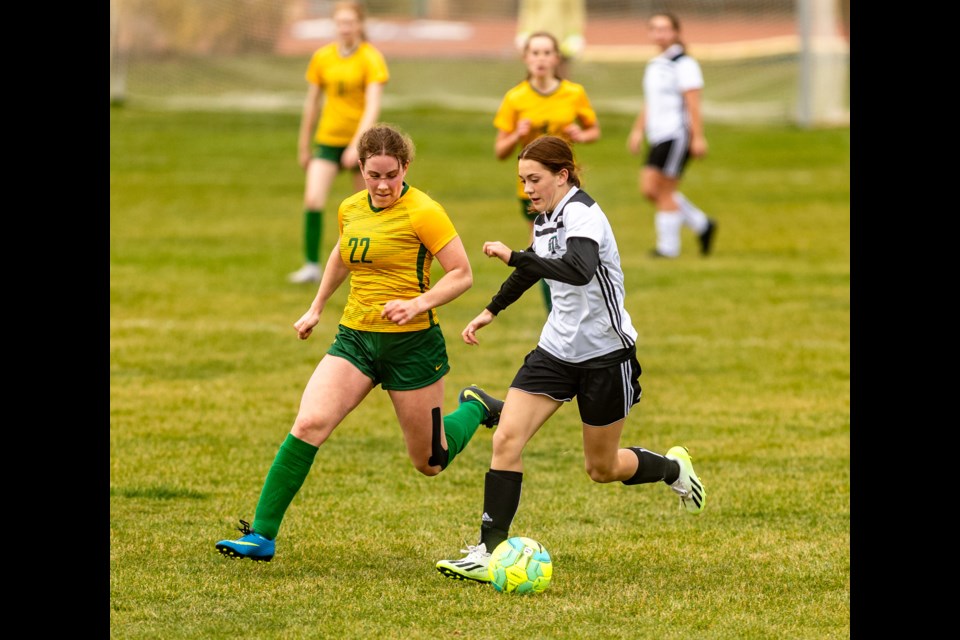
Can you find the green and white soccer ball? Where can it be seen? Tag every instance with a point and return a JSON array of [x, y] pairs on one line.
[[520, 565]]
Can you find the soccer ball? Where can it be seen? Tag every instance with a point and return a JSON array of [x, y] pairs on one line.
[[520, 565]]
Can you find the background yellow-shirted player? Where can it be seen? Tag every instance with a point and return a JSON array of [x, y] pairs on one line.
[[544, 103], [345, 86]]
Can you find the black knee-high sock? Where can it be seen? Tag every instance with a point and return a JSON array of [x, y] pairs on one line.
[[501, 499], [653, 467]]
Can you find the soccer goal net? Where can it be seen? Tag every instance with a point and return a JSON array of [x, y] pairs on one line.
[[763, 60]]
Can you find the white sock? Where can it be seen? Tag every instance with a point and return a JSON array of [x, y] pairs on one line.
[[691, 215], [668, 224]]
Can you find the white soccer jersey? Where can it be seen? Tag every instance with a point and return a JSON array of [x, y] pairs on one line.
[[590, 320], [665, 79]]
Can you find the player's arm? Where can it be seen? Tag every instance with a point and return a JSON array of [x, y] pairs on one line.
[[507, 141], [371, 113], [515, 285], [308, 123], [698, 140], [334, 273], [635, 139], [577, 266], [457, 278], [577, 133]]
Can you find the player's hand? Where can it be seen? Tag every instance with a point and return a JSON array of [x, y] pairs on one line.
[[698, 146], [469, 333], [306, 323], [349, 158], [635, 141], [303, 158], [523, 128], [574, 132], [401, 311], [497, 249]]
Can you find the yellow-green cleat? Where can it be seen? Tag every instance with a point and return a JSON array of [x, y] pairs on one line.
[[473, 566], [693, 495]]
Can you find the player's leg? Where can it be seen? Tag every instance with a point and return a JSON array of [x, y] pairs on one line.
[[358, 182], [667, 220], [502, 482], [605, 399], [419, 414], [698, 221], [658, 182], [336, 387], [433, 441], [412, 366], [321, 172], [540, 387], [605, 462]]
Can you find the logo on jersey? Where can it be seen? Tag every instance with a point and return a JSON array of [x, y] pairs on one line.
[[554, 244]]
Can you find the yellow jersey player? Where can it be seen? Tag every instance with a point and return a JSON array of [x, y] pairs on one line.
[[388, 335], [543, 104], [345, 81]]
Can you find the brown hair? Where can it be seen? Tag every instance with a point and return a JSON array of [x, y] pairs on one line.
[[555, 154], [556, 47], [386, 140], [674, 22], [358, 9]]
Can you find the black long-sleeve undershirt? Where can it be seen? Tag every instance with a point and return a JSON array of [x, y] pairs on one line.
[[577, 267]]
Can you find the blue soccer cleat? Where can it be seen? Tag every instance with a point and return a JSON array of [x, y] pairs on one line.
[[252, 545]]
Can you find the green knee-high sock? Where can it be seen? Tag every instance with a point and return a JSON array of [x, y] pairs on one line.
[[460, 427], [312, 232], [286, 476], [545, 289]]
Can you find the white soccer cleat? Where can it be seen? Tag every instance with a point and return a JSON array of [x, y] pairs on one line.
[[693, 495], [471, 567], [310, 272]]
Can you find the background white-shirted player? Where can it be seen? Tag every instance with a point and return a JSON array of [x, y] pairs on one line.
[[672, 122]]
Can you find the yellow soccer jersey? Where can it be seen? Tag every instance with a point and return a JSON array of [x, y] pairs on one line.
[[389, 253], [548, 114], [344, 82]]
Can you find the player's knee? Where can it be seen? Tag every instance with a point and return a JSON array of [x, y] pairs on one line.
[[426, 468], [310, 428], [503, 441], [315, 203], [600, 473]]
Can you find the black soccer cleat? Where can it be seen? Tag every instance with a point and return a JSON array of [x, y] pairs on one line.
[[491, 405], [706, 238]]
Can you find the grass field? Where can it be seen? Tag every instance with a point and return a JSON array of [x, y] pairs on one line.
[[745, 355]]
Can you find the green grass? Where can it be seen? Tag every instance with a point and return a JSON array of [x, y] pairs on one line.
[[745, 355]]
